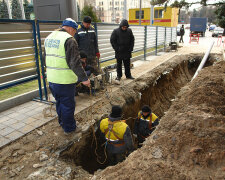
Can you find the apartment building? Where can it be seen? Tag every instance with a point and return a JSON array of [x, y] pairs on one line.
[[112, 11]]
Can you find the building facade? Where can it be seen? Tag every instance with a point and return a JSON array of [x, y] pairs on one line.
[[112, 11]]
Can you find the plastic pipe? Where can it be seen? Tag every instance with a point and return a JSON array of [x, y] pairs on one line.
[[203, 60]]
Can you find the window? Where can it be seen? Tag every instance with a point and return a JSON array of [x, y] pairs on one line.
[[137, 15], [158, 13], [110, 2]]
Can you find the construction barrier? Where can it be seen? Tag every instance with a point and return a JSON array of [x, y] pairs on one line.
[[221, 40], [194, 38]]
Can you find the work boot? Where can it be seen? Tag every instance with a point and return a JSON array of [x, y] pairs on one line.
[[130, 77], [77, 130], [118, 78]]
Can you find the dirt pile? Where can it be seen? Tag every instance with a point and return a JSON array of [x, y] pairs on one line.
[[189, 143]]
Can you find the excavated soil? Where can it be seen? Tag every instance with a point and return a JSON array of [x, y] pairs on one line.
[[189, 142]]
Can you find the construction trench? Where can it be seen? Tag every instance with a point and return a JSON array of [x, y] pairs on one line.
[[162, 88], [159, 92]]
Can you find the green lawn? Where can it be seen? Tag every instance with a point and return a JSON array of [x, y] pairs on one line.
[[19, 89], [29, 86]]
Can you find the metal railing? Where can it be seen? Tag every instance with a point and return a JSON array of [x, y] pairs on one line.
[[22, 44]]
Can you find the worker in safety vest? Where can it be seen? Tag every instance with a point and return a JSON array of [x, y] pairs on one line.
[[63, 68], [87, 42], [119, 142], [145, 123]]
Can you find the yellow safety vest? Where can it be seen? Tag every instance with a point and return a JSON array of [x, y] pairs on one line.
[[57, 68], [114, 131]]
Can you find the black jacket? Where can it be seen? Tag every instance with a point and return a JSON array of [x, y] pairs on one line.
[[87, 41], [182, 31], [122, 41]]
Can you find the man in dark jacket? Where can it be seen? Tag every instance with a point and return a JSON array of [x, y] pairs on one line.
[[87, 42], [181, 34], [118, 137], [122, 41], [145, 123]]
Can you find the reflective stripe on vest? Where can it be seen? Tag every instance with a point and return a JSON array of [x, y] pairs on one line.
[[57, 69]]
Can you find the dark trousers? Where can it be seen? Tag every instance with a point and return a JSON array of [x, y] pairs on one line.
[[126, 63], [113, 158], [65, 104], [92, 61], [181, 39]]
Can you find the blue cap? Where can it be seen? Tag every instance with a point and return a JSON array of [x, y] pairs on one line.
[[70, 22]]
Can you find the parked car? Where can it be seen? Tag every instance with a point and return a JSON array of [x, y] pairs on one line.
[[217, 32], [212, 27]]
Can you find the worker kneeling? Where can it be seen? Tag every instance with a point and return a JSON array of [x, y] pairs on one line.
[[145, 123], [119, 142]]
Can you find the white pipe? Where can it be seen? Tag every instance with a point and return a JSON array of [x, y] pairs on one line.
[[9, 9], [203, 60]]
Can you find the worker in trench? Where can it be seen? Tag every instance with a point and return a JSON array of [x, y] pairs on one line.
[[145, 123], [63, 68], [119, 142]]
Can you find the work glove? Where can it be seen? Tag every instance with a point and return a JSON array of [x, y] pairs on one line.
[[135, 135], [98, 55]]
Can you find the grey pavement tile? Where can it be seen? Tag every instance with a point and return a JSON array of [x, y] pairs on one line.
[[13, 114], [4, 118], [26, 129], [7, 112], [21, 117], [6, 131], [29, 120], [2, 126], [38, 116], [14, 135], [31, 113], [4, 141], [18, 125], [37, 124], [10, 122]]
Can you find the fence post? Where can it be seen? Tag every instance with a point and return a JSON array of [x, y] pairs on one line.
[[145, 42], [96, 32], [165, 41], [156, 41], [41, 59], [36, 58]]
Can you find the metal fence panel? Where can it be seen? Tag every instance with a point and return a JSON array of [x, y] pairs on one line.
[[161, 36], [17, 52], [104, 32], [174, 34], [151, 36], [168, 35]]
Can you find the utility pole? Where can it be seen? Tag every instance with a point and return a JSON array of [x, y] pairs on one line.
[[113, 12], [152, 15], [125, 9], [140, 13], [9, 9], [22, 9]]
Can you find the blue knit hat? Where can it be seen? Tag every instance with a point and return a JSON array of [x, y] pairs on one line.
[[70, 22]]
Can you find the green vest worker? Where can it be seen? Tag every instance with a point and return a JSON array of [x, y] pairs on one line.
[[118, 136], [63, 70], [145, 123]]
